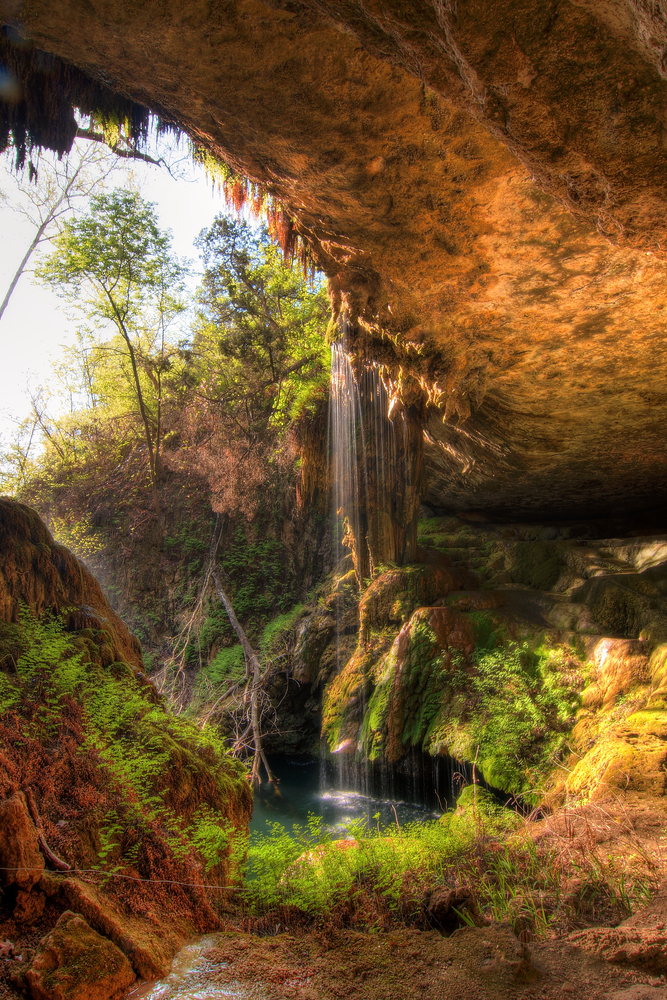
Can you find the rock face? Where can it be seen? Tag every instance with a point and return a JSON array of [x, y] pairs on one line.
[[110, 780], [73, 962], [39, 574], [538, 652], [21, 862], [484, 185]]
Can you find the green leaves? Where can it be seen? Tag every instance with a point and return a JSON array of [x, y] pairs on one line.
[[262, 323]]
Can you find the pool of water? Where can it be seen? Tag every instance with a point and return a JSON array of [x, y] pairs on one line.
[[309, 786]]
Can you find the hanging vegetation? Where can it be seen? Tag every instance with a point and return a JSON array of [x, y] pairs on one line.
[[38, 97]]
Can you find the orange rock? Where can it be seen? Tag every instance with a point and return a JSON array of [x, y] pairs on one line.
[[74, 962], [21, 862]]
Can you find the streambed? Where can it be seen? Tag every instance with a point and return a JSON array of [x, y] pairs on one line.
[[190, 978]]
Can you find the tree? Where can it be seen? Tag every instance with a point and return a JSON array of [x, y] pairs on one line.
[[116, 265], [258, 350], [59, 188]]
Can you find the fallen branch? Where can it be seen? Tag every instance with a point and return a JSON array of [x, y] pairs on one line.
[[254, 669], [57, 863]]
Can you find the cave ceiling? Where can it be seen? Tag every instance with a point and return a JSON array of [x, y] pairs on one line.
[[484, 183]]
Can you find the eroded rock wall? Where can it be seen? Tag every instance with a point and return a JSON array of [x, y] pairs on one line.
[[96, 776], [485, 188]]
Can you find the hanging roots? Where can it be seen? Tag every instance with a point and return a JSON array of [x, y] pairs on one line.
[[40, 94], [241, 193], [38, 97]]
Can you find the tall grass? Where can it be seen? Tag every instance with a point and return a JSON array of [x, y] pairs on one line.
[[383, 877]]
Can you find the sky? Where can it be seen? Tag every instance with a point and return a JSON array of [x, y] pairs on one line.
[[35, 323]]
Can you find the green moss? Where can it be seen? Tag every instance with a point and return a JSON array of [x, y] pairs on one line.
[[479, 813], [278, 630], [488, 633], [516, 718], [536, 564]]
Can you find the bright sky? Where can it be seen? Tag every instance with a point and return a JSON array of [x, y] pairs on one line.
[[35, 323]]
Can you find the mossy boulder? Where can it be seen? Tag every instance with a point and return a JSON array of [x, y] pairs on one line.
[[478, 809], [414, 678], [538, 565], [626, 755], [395, 594], [74, 962], [618, 667]]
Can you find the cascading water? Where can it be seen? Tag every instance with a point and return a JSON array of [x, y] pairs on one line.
[[375, 464], [362, 443]]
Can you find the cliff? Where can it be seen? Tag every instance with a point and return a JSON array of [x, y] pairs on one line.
[[484, 187]]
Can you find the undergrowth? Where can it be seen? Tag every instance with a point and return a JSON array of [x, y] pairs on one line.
[[151, 773], [383, 877]]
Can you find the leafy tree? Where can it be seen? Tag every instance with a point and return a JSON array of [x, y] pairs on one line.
[[258, 352], [116, 265]]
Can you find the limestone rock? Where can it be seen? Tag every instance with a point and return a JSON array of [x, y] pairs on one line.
[[29, 906], [74, 962], [21, 862]]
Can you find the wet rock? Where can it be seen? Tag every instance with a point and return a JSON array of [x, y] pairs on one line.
[[21, 862], [74, 962]]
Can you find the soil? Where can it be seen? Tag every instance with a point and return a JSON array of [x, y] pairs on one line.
[[473, 964]]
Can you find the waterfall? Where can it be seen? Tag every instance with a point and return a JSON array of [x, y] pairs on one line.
[[362, 444], [375, 469]]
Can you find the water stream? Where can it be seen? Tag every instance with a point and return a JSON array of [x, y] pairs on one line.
[[190, 978]]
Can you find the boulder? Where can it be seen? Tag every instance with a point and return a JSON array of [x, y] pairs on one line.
[[21, 861], [74, 962]]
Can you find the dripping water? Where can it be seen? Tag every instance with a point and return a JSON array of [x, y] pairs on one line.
[[363, 462]]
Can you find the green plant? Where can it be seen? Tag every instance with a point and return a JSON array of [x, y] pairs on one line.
[[277, 629]]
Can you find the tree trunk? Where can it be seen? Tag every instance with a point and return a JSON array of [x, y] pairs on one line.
[[142, 409], [253, 668], [22, 266]]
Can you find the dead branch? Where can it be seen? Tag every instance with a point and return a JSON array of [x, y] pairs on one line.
[[57, 863], [253, 688]]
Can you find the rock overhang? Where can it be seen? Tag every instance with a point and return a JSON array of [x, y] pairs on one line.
[[485, 189]]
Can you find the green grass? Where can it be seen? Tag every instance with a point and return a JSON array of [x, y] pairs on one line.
[[384, 876]]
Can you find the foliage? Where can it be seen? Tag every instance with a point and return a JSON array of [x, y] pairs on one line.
[[513, 715], [385, 876], [257, 354], [58, 190], [139, 747], [218, 406], [278, 629], [115, 264]]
